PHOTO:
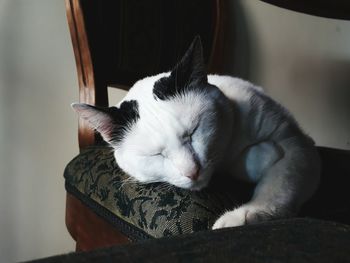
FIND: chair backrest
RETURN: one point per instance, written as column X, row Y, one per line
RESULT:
column 117, row 42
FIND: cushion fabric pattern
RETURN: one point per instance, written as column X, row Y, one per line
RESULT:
column 138, row 210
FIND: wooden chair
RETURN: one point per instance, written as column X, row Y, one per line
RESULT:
column 117, row 42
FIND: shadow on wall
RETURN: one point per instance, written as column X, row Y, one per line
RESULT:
column 237, row 47
column 333, row 84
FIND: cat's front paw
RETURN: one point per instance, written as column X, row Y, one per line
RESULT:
column 244, row 215
column 230, row 219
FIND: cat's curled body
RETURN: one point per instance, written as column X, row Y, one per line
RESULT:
column 181, row 126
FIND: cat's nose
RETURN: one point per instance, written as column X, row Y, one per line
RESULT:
column 194, row 175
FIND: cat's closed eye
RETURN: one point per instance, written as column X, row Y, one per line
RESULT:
column 156, row 154
column 187, row 136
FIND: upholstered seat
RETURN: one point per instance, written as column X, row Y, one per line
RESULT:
column 141, row 211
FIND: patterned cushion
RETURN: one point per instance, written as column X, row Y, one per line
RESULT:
column 142, row 210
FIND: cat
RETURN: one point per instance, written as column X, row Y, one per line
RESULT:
column 181, row 126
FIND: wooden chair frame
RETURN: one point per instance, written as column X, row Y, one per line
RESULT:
column 89, row 230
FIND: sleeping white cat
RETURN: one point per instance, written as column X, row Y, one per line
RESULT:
column 181, row 126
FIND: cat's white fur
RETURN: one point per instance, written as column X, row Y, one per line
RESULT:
column 159, row 133
column 279, row 158
column 230, row 127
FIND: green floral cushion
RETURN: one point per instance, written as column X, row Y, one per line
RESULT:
column 141, row 210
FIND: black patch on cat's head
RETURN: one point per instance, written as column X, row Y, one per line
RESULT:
column 126, row 115
column 112, row 123
column 188, row 74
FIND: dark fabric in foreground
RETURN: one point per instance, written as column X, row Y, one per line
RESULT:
column 293, row 240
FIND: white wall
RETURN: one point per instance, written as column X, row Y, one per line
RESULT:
column 38, row 83
column 302, row 61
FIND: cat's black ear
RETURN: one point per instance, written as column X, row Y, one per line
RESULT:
column 112, row 123
column 101, row 119
column 191, row 67
column 187, row 74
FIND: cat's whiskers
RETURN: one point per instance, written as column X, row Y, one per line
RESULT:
column 164, row 186
column 129, row 181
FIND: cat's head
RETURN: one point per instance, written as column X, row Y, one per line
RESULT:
column 173, row 127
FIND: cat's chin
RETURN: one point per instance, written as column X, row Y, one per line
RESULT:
column 195, row 186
